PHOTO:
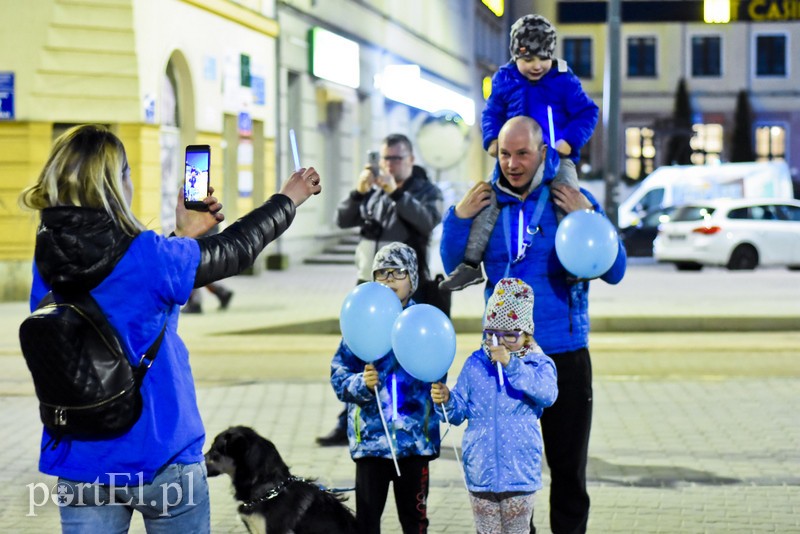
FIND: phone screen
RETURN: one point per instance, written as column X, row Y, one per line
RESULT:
column 196, row 176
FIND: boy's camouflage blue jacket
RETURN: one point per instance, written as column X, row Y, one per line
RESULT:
column 406, row 403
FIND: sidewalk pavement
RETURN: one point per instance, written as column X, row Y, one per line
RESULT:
column 693, row 431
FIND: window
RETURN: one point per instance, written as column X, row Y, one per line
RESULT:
column 771, row 55
column 491, row 40
column 640, row 152
column 788, row 213
column 706, row 143
column 706, row 53
column 770, row 143
column 652, row 199
column 578, row 54
column 641, row 57
column 692, row 213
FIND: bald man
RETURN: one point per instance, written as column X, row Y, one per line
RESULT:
column 522, row 245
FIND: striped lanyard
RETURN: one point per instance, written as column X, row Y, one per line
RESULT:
column 524, row 237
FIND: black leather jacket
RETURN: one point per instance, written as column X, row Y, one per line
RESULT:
column 236, row 248
column 76, row 248
column 408, row 215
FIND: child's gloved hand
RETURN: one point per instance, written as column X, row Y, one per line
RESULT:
column 563, row 148
column 499, row 353
column 492, row 150
column 370, row 376
column 439, row 393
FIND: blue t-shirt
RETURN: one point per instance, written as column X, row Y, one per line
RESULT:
column 147, row 287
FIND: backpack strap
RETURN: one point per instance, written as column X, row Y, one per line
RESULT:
column 86, row 301
column 148, row 357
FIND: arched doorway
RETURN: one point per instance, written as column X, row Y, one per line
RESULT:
column 177, row 130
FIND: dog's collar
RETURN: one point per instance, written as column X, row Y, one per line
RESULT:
column 274, row 492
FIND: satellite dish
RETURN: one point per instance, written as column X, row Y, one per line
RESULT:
column 443, row 140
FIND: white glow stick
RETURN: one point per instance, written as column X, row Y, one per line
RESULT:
column 499, row 365
column 550, row 125
column 295, row 154
column 394, row 399
column 447, row 420
column 386, row 428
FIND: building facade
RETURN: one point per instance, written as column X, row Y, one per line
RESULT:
column 235, row 75
column 665, row 42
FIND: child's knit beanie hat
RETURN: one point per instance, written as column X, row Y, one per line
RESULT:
column 532, row 35
column 398, row 256
column 510, row 307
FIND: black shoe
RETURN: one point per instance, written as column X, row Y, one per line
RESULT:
column 192, row 307
column 338, row 436
column 225, row 299
column 464, row 276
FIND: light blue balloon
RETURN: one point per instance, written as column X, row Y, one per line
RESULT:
column 586, row 243
column 424, row 342
column 366, row 320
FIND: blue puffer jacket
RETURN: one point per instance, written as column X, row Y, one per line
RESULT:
column 561, row 310
column 574, row 113
column 503, row 442
column 414, row 427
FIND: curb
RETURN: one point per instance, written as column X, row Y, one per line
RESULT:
column 330, row 326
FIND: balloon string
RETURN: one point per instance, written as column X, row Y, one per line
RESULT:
column 447, row 420
column 386, row 428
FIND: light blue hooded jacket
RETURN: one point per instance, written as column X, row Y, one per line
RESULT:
column 502, row 444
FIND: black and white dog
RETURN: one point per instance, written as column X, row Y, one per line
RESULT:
column 273, row 500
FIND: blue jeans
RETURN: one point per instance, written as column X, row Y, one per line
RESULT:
column 175, row 501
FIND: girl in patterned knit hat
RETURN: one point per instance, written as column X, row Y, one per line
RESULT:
column 503, row 442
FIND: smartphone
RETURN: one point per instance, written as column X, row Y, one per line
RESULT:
column 196, row 177
column 373, row 158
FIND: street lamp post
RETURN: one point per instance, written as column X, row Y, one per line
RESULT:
column 611, row 97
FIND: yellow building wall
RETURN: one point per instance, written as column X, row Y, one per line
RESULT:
column 143, row 148
column 23, row 151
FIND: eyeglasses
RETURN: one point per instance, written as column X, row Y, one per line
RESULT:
column 511, row 337
column 385, row 274
column 394, row 159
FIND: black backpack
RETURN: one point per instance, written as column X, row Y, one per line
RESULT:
column 86, row 386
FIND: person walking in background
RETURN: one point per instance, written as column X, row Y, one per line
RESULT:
column 522, row 245
column 502, row 443
column 89, row 240
column 528, row 85
column 408, row 409
column 399, row 204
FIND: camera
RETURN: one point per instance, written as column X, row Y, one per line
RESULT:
column 371, row 229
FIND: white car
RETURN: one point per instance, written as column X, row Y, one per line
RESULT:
column 735, row 233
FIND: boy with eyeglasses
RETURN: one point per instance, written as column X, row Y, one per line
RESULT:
column 398, row 204
column 503, row 442
column 408, row 410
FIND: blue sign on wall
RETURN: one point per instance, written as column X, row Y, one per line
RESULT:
column 245, row 124
column 7, row 96
column 259, row 92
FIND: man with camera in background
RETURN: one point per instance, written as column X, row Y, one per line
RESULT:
column 396, row 203
column 393, row 201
